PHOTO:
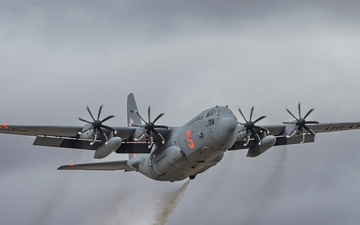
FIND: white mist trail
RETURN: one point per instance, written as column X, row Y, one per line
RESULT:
column 171, row 200
column 269, row 193
column 58, row 193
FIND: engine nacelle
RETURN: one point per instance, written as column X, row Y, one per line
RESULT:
column 266, row 143
column 168, row 160
column 88, row 134
column 106, row 149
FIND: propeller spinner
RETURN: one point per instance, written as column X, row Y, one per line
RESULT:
column 97, row 125
column 251, row 127
column 301, row 122
column 149, row 127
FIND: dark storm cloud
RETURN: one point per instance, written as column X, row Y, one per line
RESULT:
column 159, row 20
column 57, row 57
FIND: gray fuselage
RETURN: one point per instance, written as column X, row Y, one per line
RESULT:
column 192, row 148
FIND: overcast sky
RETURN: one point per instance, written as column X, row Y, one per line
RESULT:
column 182, row 57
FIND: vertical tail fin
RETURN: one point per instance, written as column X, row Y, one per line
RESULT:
column 132, row 118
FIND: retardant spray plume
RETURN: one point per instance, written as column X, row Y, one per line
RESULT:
column 112, row 211
column 58, row 193
column 171, row 200
column 214, row 185
column 269, row 193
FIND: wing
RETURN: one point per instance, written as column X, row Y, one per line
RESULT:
column 113, row 165
column 56, row 131
column 61, row 136
column 281, row 131
column 68, row 137
column 331, row 127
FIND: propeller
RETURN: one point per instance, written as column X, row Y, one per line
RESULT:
column 149, row 127
column 251, row 127
column 301, row 122
column 97, row 125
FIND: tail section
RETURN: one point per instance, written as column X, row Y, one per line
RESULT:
column 132, row 118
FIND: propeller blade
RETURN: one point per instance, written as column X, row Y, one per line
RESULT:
column 303, row 139
column 138, row 114
column 88, row 109
column 312, row 122
column 258, row 139
column 248, row 132
column 94, row 140
column 158, row 117
column 262, row 129
column 141, row 135
column 149, row 127
column 247, row 140
column 105, row 136
column 99, row 112
column 266, row 130
column 260, row 118
column 251, row 112
column 108, row 128
column 86, row 121
column 151, row 142
column 301, row 123
column 242, row 115
column 158, row 134
column 107, row 118
column 291, row 114
column 289, row 122
column 148, row 132
column 309, row 130
column 307, row 114
column 162, row 126
column 154, row 131
column 251, row 128
column 96, row 125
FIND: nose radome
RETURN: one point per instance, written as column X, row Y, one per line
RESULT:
column 228, row 123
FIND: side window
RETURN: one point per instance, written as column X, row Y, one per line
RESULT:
column 211, row 122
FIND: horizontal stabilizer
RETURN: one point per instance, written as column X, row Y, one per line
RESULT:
column 112, row 165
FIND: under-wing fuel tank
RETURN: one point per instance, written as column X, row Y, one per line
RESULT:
column 107, row 148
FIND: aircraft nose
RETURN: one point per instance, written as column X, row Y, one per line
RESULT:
column 228, row 124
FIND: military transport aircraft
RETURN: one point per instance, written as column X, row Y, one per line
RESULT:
column 168, row 153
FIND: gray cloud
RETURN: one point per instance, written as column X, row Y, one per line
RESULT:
column 58, row 57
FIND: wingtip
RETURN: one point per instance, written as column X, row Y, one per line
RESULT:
column 60, row 168
column 65, row 167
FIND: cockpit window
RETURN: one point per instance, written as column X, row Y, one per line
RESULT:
column 218, row 112
column 211, row 113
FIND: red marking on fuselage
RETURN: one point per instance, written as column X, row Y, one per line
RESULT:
column 191, row 144
column 4, row 126
column 134, row 155
column 71, row 165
